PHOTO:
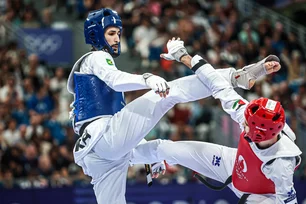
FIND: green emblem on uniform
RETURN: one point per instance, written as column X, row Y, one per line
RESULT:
column 110, row 62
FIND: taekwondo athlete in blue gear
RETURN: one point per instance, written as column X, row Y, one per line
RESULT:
column 93, row 97
column 108, row 128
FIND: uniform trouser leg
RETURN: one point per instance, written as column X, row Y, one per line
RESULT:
column 108, row 177
column 211, row 160
column 129, row 126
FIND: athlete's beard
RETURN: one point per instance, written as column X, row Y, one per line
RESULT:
column 115, row 53
column 115, row 48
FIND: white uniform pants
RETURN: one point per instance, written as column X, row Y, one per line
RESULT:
column 108, row 162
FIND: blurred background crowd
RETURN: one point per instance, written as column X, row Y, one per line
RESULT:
column 36, row 138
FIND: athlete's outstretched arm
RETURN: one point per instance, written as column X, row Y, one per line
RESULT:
column 102, row 65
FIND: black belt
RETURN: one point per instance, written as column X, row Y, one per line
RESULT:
column 81, row 131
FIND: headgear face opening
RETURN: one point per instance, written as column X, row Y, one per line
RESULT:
column 265, row 118
column 95, row 26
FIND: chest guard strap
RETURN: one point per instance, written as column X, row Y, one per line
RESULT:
column 93, row 98
column 211, row 186
column 243, row 198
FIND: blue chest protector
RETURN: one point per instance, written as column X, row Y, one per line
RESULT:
column 94, row 98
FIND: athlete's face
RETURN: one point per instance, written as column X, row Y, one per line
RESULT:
column 262, row 144
column 246, row 127
column 112, row 36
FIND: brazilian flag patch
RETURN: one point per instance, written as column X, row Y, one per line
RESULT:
column 238, row 104
column 110, row 62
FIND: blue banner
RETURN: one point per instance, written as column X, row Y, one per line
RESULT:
column 178, row 194
column 136, row 194
column 52, row 46
column 37, row 196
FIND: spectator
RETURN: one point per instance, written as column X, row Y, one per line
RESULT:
column 44, row 166
column 143, row 35
column 11, row 134
column 30, row 18
column 30, row 158
column 248, row 34
column 11, row 92
column 35, row 69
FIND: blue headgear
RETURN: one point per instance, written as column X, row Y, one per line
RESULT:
column 95, row 27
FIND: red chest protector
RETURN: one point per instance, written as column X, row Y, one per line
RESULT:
column 247, row 175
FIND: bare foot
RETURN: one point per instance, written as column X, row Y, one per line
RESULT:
column 271, row 67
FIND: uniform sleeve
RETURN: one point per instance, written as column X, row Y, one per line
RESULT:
column 281, row 173
column 103, row 66
column 231, row 101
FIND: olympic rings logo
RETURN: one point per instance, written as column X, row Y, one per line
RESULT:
column 43, row 43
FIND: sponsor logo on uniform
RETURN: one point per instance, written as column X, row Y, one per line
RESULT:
column 216, row 161
column 291, row 195
column 241, row 167
column 238, row 104
column 109, row 62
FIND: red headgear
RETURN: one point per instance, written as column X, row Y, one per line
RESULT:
column 265, row 118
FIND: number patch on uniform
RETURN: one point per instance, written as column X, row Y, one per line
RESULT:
column 81, row 142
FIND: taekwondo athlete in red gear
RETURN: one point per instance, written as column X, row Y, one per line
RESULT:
column 266, row 152
column 266, row 148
